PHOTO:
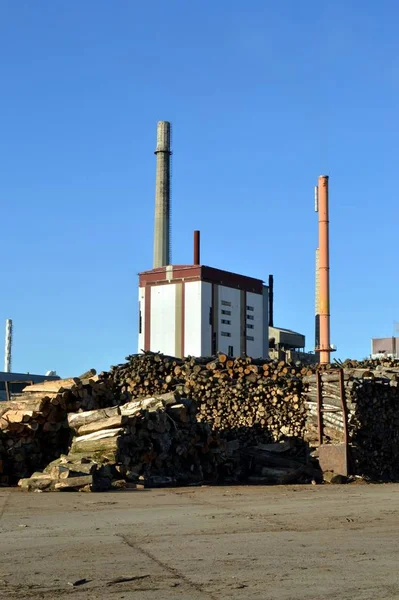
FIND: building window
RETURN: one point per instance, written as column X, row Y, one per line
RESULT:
column 226, row 322
column 226, row 312
column 225, row 333
column 250, row 326
column 225, row 303
column 231, row 351
column 250, row 308
column 250, row 317
column 250, row 338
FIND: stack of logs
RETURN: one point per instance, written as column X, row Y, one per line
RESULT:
column 34, row 428
column 95, row 427
column 255, row 401
column 156, row 441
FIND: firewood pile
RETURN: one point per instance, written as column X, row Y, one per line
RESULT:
column 152, row 442
column 34, row 428
column 254, row 401
column 158, row 420
column 372, row 397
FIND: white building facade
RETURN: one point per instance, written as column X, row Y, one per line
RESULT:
column 198, row 311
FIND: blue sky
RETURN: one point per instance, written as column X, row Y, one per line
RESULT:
column 263, row 96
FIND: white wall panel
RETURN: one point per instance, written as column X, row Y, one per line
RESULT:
column 163, row 319
column 206, row 327
column 192, row 318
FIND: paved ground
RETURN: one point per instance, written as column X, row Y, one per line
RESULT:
column 266, row 543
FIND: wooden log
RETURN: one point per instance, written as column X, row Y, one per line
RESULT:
column 53, row 386
column 108, row 423
column 74, row 483
column 102, row 445
column 76, row 420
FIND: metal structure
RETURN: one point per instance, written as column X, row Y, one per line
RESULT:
column 271, row 300
column 323, row 271
column 333, row 457
column 162, row 197
column 8, row 347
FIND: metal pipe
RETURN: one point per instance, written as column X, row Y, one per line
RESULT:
column 8, row 347
column 324, row 271
column 162, row 197
column 197, row 247
column 271, row 301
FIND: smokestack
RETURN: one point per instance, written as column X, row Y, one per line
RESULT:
column 271, row 293
column 162, row 197
column 324, row 271
column 8, row 345
column 197, row 247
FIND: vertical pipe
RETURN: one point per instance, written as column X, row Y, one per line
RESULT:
column 197, row 248
column 271, row 299
column 8, row 346
column 162, row 197
column 324, row 271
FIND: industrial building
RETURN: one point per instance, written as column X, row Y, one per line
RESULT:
column 285, row 344
column 195, row 310
column 385, row 347
column 13, row 383
column 198, row 310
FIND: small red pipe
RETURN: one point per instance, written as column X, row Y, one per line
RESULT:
column 197, row 248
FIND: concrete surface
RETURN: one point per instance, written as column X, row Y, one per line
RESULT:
column 277, row 543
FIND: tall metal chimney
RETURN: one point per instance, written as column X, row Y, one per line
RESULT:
column 8, row 346
column 162, row 197
column 323, row 271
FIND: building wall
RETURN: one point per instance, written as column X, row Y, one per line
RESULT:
column 200, row 318
column 193, row 318
column 255, row 325
column 389, row 346
column 197, row 318
column 206, row 320
column 163, row 319
column 228, row 321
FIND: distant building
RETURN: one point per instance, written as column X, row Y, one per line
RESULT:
column 388, row 347
column 194, row 310
column 16, row 382
column 285, row 344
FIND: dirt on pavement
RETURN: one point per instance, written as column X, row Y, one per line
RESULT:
column 205, row 543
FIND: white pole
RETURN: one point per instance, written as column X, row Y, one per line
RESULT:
column 7, row 353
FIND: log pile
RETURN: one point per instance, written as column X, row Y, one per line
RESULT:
column 254, row 401
column 34, row 428
column 156, row 441
column 158, row 419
